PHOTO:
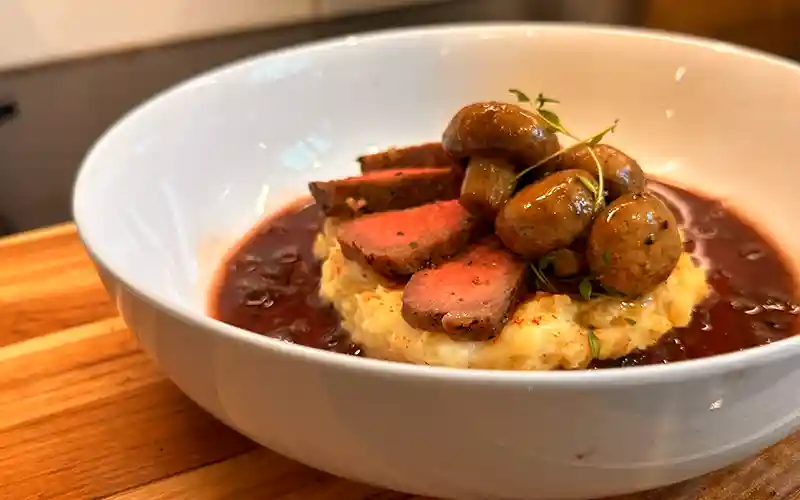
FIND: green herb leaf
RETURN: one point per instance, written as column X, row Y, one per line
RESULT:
column 545, row 260
column 552, row 120
column 541, row 100
column 606, row 258
column 595, row 139
column 553, row 123
column 594, row 343
column 520, row 95
column 413, row 244
column 570, row 147
column 585, row 288
column 630, row 321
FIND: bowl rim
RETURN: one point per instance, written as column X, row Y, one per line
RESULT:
column 579, row 379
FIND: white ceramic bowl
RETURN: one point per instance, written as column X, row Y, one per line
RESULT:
column 178, row 180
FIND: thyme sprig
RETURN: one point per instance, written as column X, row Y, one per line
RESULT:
column 594, row 343
column 553, row 122
column 585, row 289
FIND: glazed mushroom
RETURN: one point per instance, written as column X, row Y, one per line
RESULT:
column 621, row 173
column 548, row 215
column 499, row 130
column 498, row 139
column 634, row 244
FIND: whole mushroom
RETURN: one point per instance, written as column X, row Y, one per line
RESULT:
column 497, row 140
column 548, row 215
column 621, row 173
column 634, row 244
column 499, row 130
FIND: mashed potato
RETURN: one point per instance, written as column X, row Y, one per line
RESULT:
column 546, row 331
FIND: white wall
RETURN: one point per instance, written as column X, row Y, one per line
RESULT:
column 39, row 31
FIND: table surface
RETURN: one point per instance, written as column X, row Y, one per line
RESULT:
column 86, row 415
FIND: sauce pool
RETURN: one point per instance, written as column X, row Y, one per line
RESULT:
column 270, row 285
column 752, row 298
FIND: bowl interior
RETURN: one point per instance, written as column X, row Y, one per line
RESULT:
column 170, row 188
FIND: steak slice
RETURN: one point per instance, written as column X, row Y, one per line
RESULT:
column 431, row 154
column 398, row 244
column 384, row 190
column 469, row 297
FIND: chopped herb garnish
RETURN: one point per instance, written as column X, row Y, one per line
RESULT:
column 413, row 244
column 400, row 233
column 585, row 289
column 630, row 321
column 606, row 258
column 594, row 343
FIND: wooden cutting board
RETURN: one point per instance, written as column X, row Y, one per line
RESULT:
column 85, row 415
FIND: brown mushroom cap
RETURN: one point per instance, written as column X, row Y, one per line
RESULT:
column 499, row 130
column 634, row 244
column 547, row 215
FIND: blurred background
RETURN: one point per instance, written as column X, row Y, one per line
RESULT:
column 70, row 68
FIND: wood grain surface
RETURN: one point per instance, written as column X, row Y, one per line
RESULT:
column 85, row 415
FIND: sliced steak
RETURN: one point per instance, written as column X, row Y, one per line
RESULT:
column 384, row 190
column 469, row 297
column 398, row 244
column 424, row 155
